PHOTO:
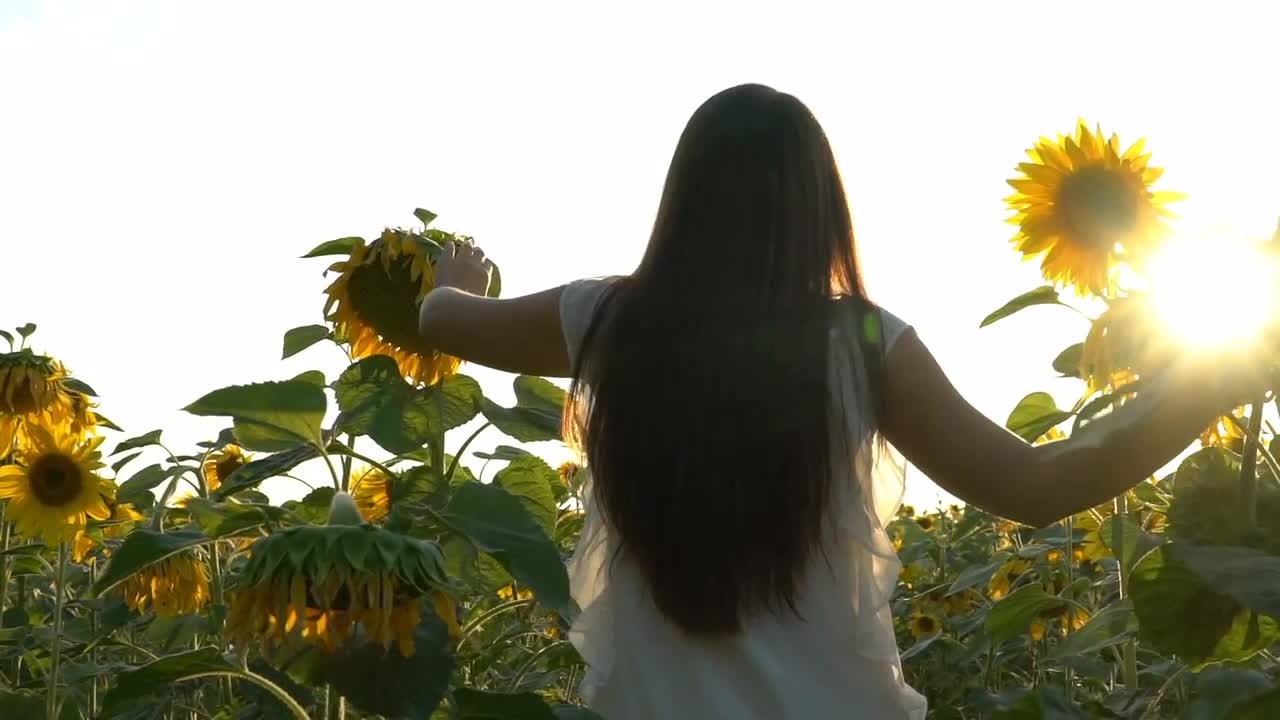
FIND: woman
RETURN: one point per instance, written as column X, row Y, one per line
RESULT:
column 731, row 396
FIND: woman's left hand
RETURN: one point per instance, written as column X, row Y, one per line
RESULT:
column 463, row 267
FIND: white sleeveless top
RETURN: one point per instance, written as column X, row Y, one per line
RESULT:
column 841, row 661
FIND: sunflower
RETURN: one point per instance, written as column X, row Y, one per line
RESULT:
column 924, row 624
column 508, row 592
column 925, row 522
column 123, row 516
column 1110, row 354
column 1226, row 433
column 373, row 304
column 218, row 466
column 371, row 489
column 177, row 585
column 37, row 389
column 53, row 488
column 1006, row 576
column 1092, row 547
column 333, row 584
column 1084, row 205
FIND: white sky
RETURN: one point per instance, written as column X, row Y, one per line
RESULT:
column 163, row 164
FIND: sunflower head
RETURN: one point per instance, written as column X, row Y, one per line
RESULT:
column 328, row 585
column 1083, row 205
column 1008, row 573
column 371, row 489
column 924, row 624
column 219, row 465
column 373, row 304
column 177, row 585
column 53, row 487
column 925, row 522
column 37, row 389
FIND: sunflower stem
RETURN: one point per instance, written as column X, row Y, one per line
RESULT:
column 1068, row 561
column 335, row 706
column 55, row 647
column 347, row 463
column 4, row 561
column 1129, row 656
column 93, row 654
column 1249, row 465
column 453, row 464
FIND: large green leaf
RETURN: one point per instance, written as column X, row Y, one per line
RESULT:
column 144, row 547
column 1265, row 706
column 20, row 705
column 252, row 473
column 1178, row 614
column 1068, row 361
column 151, row 438
column 1034, row 415
column 1039, row 704
column 374, row 679
column 1013, row 615
column 1127, row 540
column 471, row 704
column 158, row 676
column 1046, row 295
column 498, row 523
column 977, row 574
column 1107, row 627
column 1215, row 690
column 1250, row 576
column 376, row 401
column 536, row 415
column 293, row 407
column 426, row 216
column 341, row 246
column 532, row 480
column 144, row 480
column 301, row 338
column 479, row 571
column 222, row 519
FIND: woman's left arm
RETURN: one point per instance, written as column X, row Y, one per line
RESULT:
column 517, row 335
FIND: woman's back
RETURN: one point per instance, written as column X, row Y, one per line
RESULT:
column 834, row 657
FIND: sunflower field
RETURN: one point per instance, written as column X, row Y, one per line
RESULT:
column 143, row 581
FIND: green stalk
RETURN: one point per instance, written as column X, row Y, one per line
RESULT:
column 93, row 654
column 335, row 706
column 1130, row 646
column 1068, row 560
column 4, row 560
column 1249, row 465
column 55, row 648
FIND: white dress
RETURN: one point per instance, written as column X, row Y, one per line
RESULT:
column 840, row 662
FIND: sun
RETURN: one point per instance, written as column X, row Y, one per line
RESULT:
column 1213, row 292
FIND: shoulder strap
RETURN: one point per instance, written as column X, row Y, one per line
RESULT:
column 862, row 328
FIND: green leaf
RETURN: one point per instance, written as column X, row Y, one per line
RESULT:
column 252, row 435
column 1068, row 361
column 1178, row 614
column 471, row 704
column 1013, row 615
column 539, row 394
column 341, row 246
column 1215, row 690
column 1136, row 541
column 1265, row 706
column 426, row 216
column 119, row 464
column 293, row 407
column 1102, row 402
column 79, row 386
column 537, row 414
column 376, row 680
column 7, row 336
column 301, row 338
column 977, row 574
column 26, row 330
column 1046, row 295
column 532, row 480
column 151, row 438
column 314, row 508
column 499, row 524
column 495, row 280
column 575, row 712
column 144, row 480
column 419, row 484
column 141, row 548
column 1107, row 627
column 920, row 646
column 479, row 571
column 1039, row 704
column 104, row 421
column 252, row 473
column 1034, row 415
column 315, row 377
column 504, row 452
column 158, row 676
column 1250, row 576
column 222, row 519
column 20, row 705
column 376, row 401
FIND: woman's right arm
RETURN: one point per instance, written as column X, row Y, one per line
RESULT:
column 984, row 464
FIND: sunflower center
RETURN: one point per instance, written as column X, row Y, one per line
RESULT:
column 56, row 480
column 1099, row 205
column 387, row 301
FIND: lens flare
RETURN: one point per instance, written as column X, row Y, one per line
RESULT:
column 1213, row 292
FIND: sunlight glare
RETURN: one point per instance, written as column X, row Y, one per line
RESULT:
column 1212, row 292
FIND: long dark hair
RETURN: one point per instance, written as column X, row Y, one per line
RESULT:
column 701, row 393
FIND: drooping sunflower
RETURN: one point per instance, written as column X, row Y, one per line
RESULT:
column 219, row 465
column 333, row 584
column 53, row 488
column 1008, row 573
column 1085, row 205
column 374, row 302
column 1092, row 547
column 371, row 489
column 37, row 389
column 1111, row 354
column 1226, row 433
column 177, row 585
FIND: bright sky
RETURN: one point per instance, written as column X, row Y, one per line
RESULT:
column 163, row 164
